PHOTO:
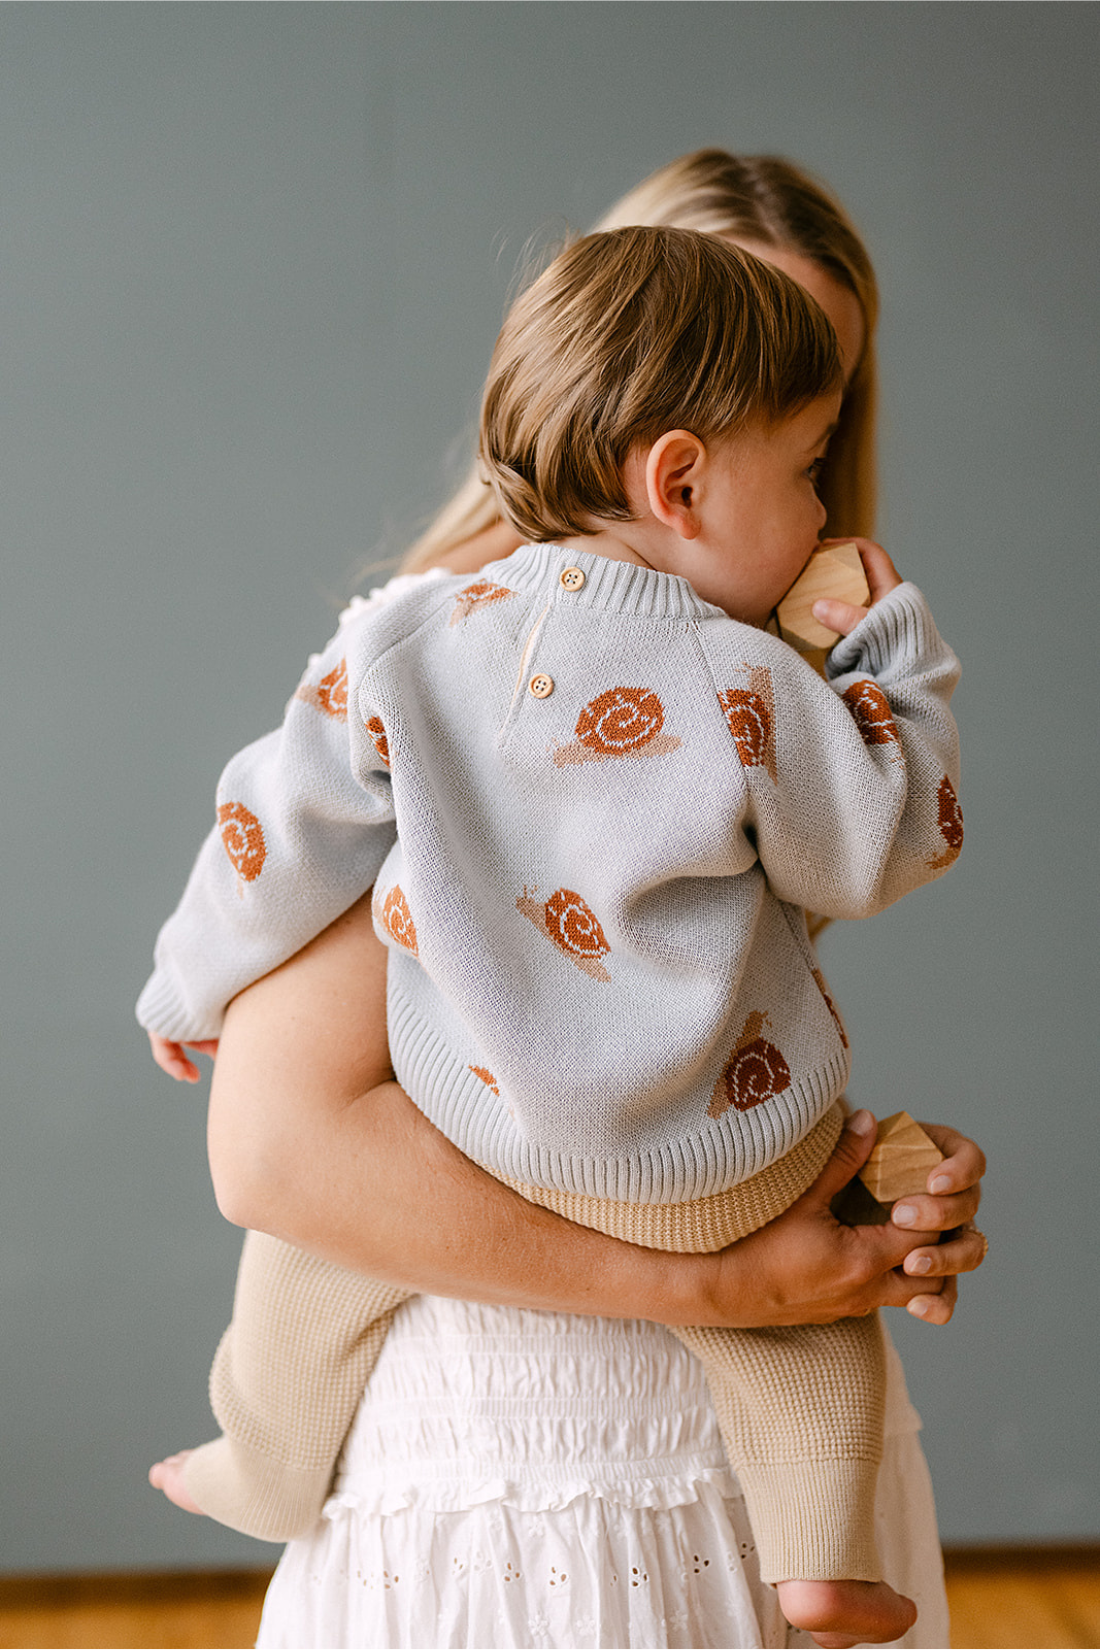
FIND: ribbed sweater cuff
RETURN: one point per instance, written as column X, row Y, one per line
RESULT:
column 254, row 1494
column 160, row 1009
column 813, row 1520
column 898, row 632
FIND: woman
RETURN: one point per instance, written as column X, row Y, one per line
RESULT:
column 521, row 1479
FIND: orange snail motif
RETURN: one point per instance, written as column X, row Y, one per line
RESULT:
column 951, row 825
column 487, row 1078
column 478, row 595
column 621, row 722
column 750, row 723
column 750, row 718
column 378, row 735
column 621, row 719
column 819, row 981
column 871, row 711
column 755, row 1072
column 243, row 839
column 330, row 694
column 573, row 925
column 397, row 919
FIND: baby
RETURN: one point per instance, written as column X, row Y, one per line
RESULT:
column 595, row 799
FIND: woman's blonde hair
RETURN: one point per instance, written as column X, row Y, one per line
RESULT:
column 772, row 203
column 630, row 333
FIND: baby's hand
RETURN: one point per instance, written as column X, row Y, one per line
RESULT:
column 882, row 577
column 173, row 1058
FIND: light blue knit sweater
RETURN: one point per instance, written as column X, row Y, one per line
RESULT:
column 594, row 809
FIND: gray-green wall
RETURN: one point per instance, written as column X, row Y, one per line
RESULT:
column 252, row 260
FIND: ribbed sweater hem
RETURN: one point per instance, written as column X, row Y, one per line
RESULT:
column 724, row 1153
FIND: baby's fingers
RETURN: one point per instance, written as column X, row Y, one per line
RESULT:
column 173, row 1057
column 839, row 616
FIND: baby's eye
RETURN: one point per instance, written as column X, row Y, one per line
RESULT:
column 815, row 470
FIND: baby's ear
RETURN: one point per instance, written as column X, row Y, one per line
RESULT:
column 674, row 469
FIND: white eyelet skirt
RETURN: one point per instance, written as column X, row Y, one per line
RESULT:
column 521, row 1479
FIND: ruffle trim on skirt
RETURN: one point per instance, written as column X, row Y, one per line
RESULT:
column 450, row 1491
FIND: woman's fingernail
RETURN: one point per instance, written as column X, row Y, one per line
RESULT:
column 861, row 1122
column 940, row 1185
column 905, row 1215
column 919, row 1267
column 919, row 1306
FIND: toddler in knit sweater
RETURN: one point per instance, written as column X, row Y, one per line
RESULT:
column 594, row 799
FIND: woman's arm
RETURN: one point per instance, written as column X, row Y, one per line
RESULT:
column 311, row 1140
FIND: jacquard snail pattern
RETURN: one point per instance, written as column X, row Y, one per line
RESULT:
column 750, row 717
column 378, row 737
column 243, row 839
column 622, row 722
column 819, row 981
column 397, row 919
column 481, row 594
column 330, row 694
column 487, row 1078
column 573, row 926
column 951, row 826
column 756, row 1071
column 870, row 709
column 749, row 722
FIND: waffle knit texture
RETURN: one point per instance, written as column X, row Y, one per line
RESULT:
column 800, row 1409
column 592, row 818
column 286, row 1382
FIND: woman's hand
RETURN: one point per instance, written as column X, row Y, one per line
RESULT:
column 882, row 577
column 806, row 1267
column 948, row 1207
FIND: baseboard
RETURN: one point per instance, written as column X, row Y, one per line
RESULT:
column 31, row 1592
column 1024, row 1556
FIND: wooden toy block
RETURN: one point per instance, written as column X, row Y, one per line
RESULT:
column 835, row 571
column 900, row 1162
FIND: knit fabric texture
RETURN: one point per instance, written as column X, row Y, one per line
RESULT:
column 800, row 1411
column 593, row 811
column 286, row 1382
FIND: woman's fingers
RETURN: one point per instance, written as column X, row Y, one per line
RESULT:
column 849, row 1155
column 964, row 1161
column 920, row 1213
column 935, row 1309
column 963, row 1251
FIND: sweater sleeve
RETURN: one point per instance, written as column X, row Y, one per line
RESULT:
column 304, row 820
column 852, row 796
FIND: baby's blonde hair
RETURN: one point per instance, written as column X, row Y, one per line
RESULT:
column 628, row 334
column 771, row 201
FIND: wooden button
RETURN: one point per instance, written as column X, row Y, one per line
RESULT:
column 541, row 686
column 573, row 578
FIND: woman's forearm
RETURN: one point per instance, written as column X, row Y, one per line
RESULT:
column 312, row 1141
column 377, row 1188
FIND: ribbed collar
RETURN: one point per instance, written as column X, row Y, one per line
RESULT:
column 618, row 586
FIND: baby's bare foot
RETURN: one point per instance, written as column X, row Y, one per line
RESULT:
column 839, row 1614
column 168, row 1476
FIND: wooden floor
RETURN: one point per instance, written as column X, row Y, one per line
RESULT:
column 1001, row 1599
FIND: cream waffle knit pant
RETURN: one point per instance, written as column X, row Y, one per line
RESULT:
column 800, row 1409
